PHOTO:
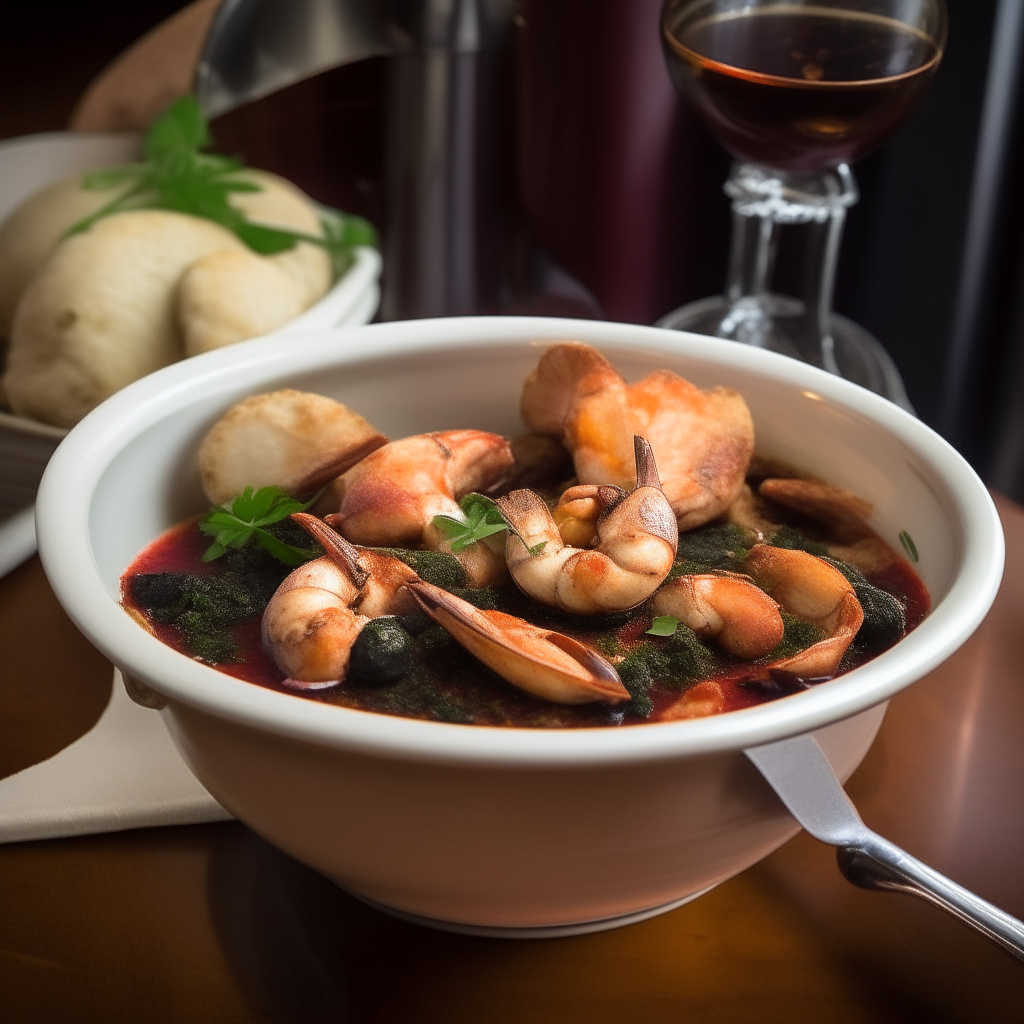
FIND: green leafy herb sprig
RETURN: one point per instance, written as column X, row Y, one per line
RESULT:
column 483, row 518
column 663, row 625
column 243, row 521
column 177, row 175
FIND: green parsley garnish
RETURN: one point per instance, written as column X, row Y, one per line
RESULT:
column 483, row 518
column 235, row 525
column 663, row 625
column 909, row 546
column 177, row 175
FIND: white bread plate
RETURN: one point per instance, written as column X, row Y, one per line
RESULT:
column 31, row 162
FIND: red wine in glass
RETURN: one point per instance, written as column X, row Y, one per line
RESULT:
column 799, row 89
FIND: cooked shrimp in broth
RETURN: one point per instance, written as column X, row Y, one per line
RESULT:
column 392, row 496
column 635, row 539
column 319, row 609
column 729, row 609
column 808, row 587
column 626, row 561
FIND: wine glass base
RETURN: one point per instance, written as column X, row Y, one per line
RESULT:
column 854, row 353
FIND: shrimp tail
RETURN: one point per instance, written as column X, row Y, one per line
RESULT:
column 337, row 549
column 646, row 468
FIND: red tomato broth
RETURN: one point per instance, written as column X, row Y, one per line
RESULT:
column 900, row 580
column 180, row 549
column 464, row 681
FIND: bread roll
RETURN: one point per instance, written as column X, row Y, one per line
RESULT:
column 36, row 227
column 232, row 295
column 32, row 232
column 101, row 312
column 281, row 204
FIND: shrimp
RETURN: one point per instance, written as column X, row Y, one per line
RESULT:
column 636, row 545
column 578, row 510
column 813, row 590
column 729, row 609
column 316, row 614
column 743, row 614
column 319, row 609
column 548, row 665
column 702, row 440
column 390, row 498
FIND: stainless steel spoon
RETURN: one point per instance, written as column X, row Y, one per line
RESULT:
column 255, row 47
column 449, row 125
column 801, row 775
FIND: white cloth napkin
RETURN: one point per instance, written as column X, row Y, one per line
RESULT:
column 17, row 539
column 124, row 773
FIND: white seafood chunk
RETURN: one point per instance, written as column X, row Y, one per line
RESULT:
column 295, row 440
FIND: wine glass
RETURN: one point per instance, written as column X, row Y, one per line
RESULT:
column 796, row 91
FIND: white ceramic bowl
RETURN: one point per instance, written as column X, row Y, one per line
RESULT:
column 502, row 828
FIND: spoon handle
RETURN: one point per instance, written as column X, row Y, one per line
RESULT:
column 874, row 863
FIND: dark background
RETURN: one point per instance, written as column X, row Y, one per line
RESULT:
column 903, row 257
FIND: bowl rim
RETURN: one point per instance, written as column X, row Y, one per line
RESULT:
column 67, row 489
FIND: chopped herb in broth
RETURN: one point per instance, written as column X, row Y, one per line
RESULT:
column 792, row 538
column 712, row 547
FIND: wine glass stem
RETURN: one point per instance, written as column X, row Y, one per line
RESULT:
column 752, row 256
column 764, row 201
column 820, row 259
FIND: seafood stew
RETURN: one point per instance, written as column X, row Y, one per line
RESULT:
column 459, row 577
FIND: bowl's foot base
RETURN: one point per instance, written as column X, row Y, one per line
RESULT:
column 548, row 931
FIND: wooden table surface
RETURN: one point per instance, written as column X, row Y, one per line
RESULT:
column 210, row 924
